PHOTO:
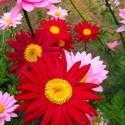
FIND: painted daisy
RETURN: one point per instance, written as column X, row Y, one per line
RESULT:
column 56, row 29
column 86, row 31
column 26, row 49
column 55, row 95
column 58, row 12
column 97, row 72
column 10, row 19
column 7, row 107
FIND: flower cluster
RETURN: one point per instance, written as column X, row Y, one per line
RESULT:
column 54, row 83
column 53, row 78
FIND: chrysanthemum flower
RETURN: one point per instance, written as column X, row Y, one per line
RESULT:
column 59, row 31
column 7, row 107
column 28, row 49
column 86, row 31
column 10, row 19
column 54, row 94
column 58, row 12
column 29, row 5
column 96, row 73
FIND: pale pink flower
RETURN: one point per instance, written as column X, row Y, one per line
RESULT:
column 4, row 1
column 112, row 45
column 29, row 5
column 7, row 107
column 116, row 2
column 122, row 15
column 58, row 12
column 96, row 73
column 10, row 19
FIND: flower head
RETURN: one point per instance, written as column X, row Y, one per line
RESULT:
column 86, row 31
column 29, row 5
column 59, row 31
column 52, row 92
column 7, row 107
column 96, row 74
column 28, row 49
column 10, row 20
column 112, row 45
column 58, row 12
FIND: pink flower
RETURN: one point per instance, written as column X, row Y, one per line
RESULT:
column 11, row 19
column 116, row 2
column 7, row 107
column 58, row 12
column 96, row 73
column 29, row 5
column 112, row 45
column 122, row 13
column 4, row 1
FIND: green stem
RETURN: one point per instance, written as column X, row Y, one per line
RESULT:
column 115, row 20
column 77, row 10
column 85, row 46
column 28, row 22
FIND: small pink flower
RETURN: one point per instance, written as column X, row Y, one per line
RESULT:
column 11, row 19
column 4, row 1
column 7, row 107
column 29, row 5
column 112, row 45
column 122, row 13
column 58, row 12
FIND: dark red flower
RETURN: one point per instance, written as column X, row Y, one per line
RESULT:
column 86, row 31
column 26, row 49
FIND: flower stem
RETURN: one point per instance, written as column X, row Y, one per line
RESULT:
column 77, row 10
column 28, row 22
column 115, row 20
column 85, row 46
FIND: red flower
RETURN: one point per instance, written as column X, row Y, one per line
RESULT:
column 86, row 31
column 54, row 94
column 57, row 30
column 26, row 49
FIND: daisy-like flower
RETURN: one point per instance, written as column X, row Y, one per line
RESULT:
column 29, row 5
column 7, row 107
column 112, row 45
column 58, row 12
column 10, row 19
column 86, row 31
column 27, row 49
column 96, row 73
column 57, row 30
column 54, row 94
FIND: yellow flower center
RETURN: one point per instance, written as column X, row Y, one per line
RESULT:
column 84, row 79
column 32, row 52
column 58, row 13
column 2, row 108
column 61, row 43
column 54, row 29
column 58, row 91
column 8, row 20
column 87, row 32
